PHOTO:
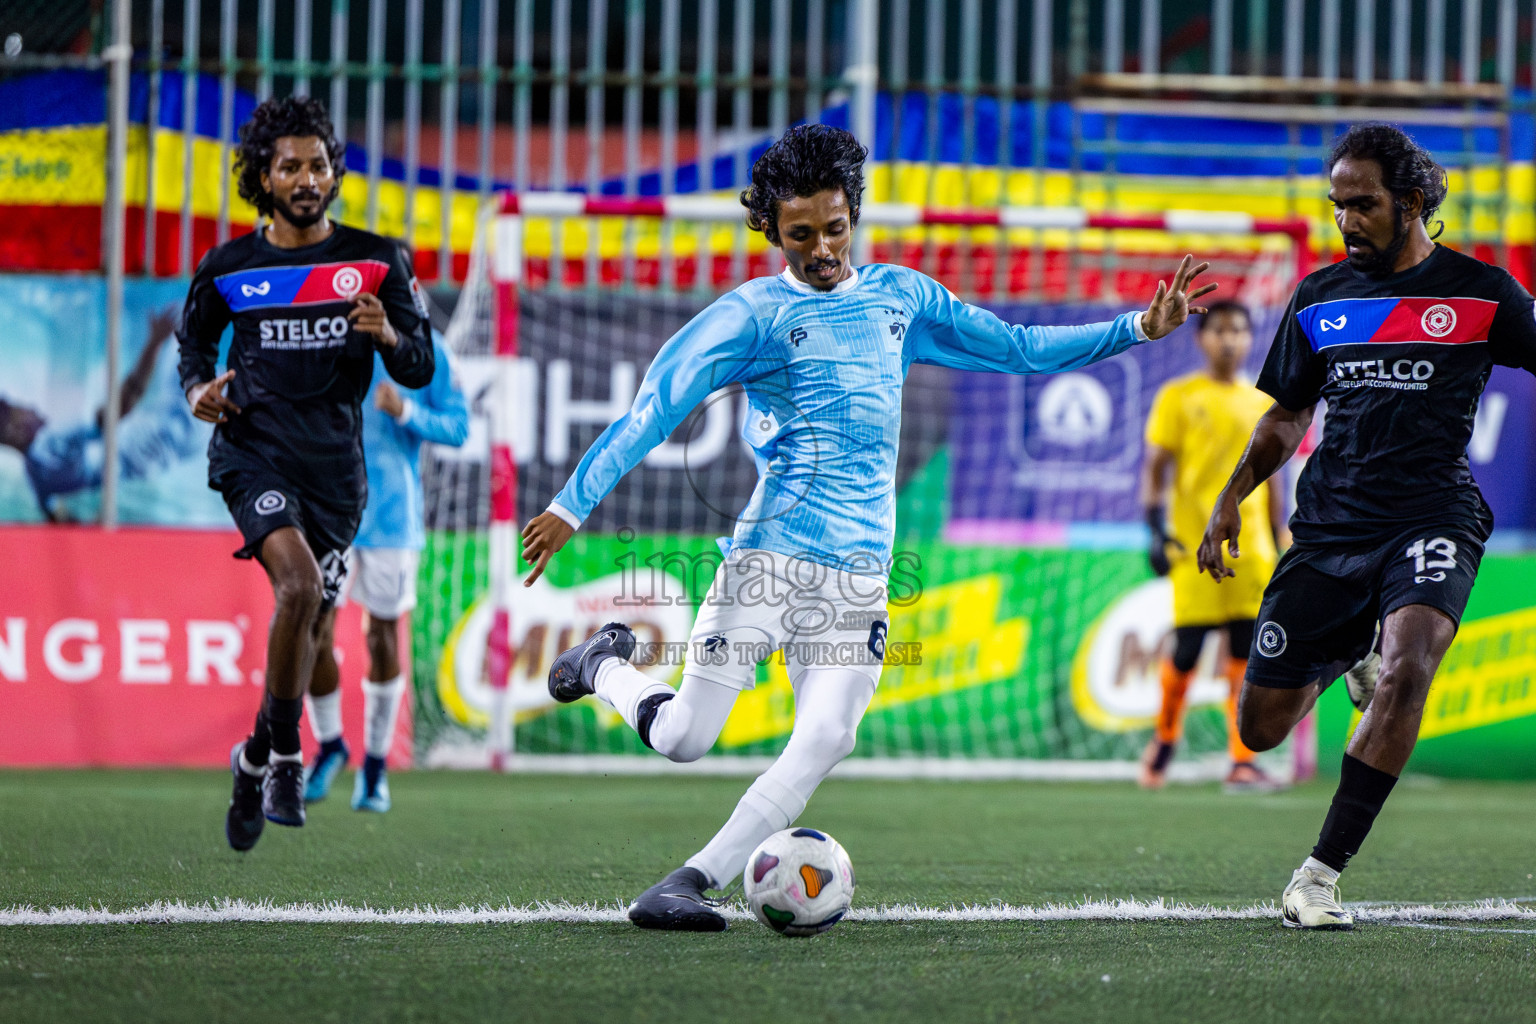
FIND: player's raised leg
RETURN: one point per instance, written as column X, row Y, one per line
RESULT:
column 1245, row 775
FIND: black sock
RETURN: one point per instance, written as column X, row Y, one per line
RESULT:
column 258, row 746
column 373, row 767
column 1362, row 790
column 283, row 724
column 646, row 714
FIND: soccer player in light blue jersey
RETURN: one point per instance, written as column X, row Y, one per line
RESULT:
column 381, row 573
column 822, row 351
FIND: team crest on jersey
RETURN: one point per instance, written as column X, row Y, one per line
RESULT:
column 1438, row 320
column 1272, row 639
column 419, row 298
column 347, row 282
column 270, row 502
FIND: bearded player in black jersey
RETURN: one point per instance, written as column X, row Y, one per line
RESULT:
column 310, row 301
column 1389, row 528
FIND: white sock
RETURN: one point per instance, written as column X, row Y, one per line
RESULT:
column 829, row 703
column 687, row 726
column 257, row 770
column 766, row 808
column 1313, row 864
column 325, row 716
column 296, row 758
column 381, row 706
column 623, row 687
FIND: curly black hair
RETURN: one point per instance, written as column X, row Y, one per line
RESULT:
column 1406, row 166
column 807, row 159
column 295, row 116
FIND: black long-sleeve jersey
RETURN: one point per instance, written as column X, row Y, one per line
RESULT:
column 301, row 370
column 1402, row 361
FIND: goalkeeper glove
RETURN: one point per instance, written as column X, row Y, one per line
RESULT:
column 1158, row 555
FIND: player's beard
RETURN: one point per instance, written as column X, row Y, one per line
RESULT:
column 303, row 220
column 1380, row 262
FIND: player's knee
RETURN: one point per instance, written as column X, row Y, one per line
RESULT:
column 679, row 735
column 832, row 740
column 689, row 747
column 1402, row 686
column 1257, row 730
column 381, row 637
column 298, row 594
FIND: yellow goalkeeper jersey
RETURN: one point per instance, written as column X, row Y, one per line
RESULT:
column 1206, row 425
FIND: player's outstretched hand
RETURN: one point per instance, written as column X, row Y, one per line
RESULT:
column 368, row 316
column 1226, row 522
column 1171, row 305
column 208, row 401
column 546, row 534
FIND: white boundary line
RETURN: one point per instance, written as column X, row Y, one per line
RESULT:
column 237, row 911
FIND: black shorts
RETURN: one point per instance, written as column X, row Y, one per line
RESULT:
column 1322, row 605
column 262, row 501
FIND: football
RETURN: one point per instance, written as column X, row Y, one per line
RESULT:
column 799, row 882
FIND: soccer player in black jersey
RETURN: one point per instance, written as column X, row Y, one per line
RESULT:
column 310, row 301
column 1389, row 528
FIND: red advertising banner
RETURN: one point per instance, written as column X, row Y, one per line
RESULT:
column 143, row 647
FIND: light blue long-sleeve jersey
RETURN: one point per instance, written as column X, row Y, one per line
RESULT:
column 392, row 450
column 823, row 373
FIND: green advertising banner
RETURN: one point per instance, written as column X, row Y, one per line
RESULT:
column 993, row 653
column 1480, row 721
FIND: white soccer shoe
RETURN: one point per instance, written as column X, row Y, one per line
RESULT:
column 1311, row 901
column 1360, row 678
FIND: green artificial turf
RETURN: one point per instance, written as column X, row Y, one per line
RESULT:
column 121, row 839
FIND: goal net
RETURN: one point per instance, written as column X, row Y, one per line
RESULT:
column 1032, row 624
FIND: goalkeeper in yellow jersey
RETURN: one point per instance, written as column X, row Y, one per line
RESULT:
column 1198, row 427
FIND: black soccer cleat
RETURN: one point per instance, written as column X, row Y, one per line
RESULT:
column 282, row 793
column 244, row 821
column 676, row 903
column 571, row 676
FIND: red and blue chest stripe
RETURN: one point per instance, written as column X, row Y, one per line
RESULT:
column 1397, row 321
column 313, row 284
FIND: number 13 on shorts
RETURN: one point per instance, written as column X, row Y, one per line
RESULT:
column 1436, row 553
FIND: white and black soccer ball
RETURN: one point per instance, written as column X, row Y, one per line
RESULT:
column 799, row 882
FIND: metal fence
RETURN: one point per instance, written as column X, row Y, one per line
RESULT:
column 626, row 96
column 668, row 96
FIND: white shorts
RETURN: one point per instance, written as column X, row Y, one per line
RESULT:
column 762, row 602
column 382, row 580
